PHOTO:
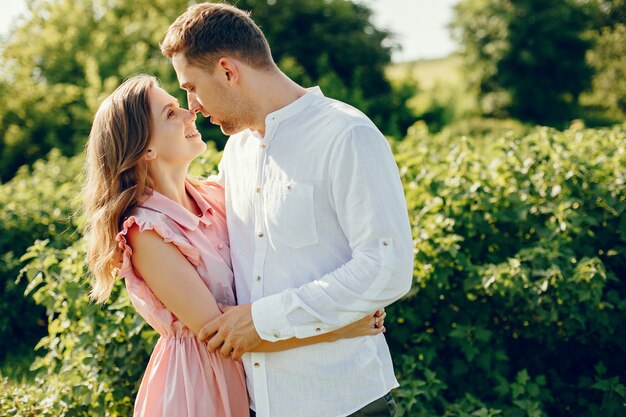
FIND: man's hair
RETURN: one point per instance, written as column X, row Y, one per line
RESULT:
column 208, row 31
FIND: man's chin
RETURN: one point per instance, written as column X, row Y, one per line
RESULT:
column 230, row 130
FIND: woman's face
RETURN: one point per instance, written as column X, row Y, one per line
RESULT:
column 174, row 138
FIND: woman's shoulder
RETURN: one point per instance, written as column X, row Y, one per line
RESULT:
column 207, row 186
column 146, row 218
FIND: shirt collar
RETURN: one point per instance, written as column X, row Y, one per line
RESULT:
column 158, row 202
column 294, row 107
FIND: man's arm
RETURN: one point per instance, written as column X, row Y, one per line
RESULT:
column 371, row 210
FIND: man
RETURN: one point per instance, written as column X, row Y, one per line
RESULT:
column 316, row 215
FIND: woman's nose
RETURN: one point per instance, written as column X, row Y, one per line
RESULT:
column 190, row 116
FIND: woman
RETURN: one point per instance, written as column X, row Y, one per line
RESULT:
column 166, row 234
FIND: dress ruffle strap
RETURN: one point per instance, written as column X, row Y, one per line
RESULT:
column 168, row 236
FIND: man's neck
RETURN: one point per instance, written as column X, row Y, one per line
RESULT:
column 272, row 91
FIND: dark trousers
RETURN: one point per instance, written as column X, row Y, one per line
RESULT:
column 385, row 406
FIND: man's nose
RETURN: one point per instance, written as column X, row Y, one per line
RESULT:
column 193, row 104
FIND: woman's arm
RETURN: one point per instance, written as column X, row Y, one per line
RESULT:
column 368, row 326
column 172, row 279
column 178, row 286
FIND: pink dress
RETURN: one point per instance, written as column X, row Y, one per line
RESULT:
column 183, row 379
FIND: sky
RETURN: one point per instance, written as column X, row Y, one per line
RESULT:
column 419, row 25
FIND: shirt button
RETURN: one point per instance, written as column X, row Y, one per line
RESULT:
column 257, row 365
column 258, row 189
column 318, row 330
column 386, row 243
column 258, row 278
column 260, row 234
column 263, row 146
column 220, row 246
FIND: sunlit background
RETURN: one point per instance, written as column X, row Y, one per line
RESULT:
column 507, row 122
column 420, row 25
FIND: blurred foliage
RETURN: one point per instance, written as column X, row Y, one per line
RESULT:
column 63, row 59
column 526, row 58
column 518, row 306
column 441, row 96
column 605, row 13
column 67, row 55
column 607, row 99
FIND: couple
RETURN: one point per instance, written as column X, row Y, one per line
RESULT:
column 280, row 260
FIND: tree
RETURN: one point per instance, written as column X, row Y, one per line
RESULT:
column 608, row 58
column 68, row 54
column 335, row 42
column 64, row 58
column 607, row 99
column 526, row 57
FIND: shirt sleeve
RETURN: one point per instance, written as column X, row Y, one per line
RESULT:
column 371, row 210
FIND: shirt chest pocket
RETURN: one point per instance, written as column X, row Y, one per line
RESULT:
column 291, row 213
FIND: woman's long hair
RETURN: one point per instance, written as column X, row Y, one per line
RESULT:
column 116, row 175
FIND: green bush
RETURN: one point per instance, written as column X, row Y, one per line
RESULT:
column 519, row 301
column 517, row 309
column 38, row 203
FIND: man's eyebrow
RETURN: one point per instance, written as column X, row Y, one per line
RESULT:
column 170, row 104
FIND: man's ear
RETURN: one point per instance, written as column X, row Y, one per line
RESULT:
column 150, row 155
column 230, row 70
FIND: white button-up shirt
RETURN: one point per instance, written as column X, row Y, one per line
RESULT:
column 319, row 238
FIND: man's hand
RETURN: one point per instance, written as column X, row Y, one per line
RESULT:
column 233, row 333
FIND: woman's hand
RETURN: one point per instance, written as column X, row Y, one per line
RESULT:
column 370, row 325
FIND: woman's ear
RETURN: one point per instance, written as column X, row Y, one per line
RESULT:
column 150, row 155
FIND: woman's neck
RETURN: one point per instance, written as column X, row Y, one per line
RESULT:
column 171, row 183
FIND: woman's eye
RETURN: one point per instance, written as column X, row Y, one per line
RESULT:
column 170, row 113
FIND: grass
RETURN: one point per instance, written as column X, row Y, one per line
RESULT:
column 429, row 73
column 442, row 95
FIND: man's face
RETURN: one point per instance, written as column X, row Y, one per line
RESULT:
column 211, row 94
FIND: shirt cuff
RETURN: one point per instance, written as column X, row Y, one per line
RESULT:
column 270, row 320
